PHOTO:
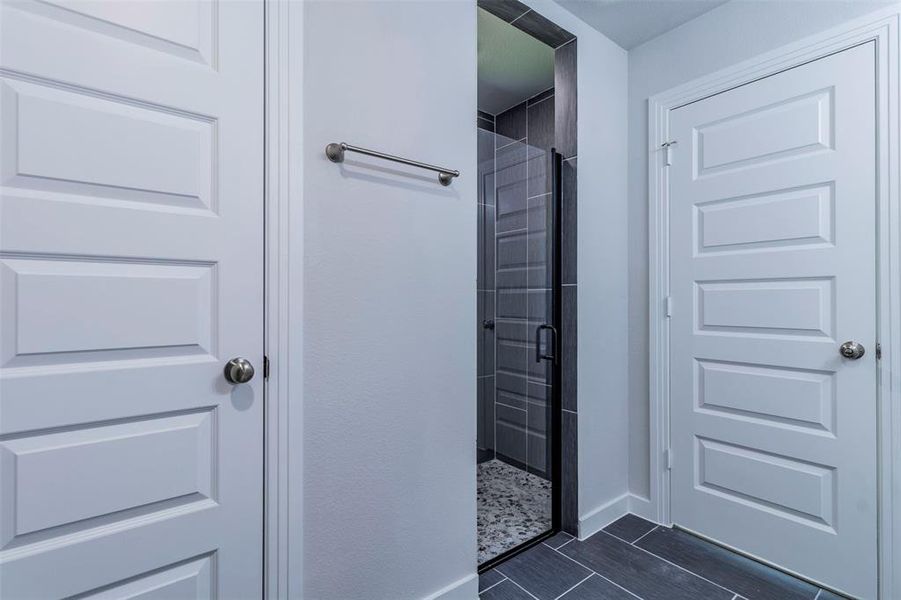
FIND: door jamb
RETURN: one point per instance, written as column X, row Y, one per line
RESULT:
column 882, row 27
column 283, row 304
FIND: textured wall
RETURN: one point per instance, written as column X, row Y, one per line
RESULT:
column 389, row 423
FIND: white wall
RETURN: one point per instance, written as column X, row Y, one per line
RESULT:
column 389, row 277
column 733, row 32
column 389, row 395
column 602, row 276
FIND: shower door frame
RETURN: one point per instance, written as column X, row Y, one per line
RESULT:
column 555, row 423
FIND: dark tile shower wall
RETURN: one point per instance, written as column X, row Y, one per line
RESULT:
column 525, row 19
column 525, row 135
column 565, row 85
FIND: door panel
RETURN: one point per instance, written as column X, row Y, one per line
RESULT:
column 772, row 225
column 130, row 272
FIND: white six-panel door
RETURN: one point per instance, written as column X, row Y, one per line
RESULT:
column 130, row 272
column 773, row 237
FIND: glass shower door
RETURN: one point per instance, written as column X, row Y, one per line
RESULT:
column 517, row 473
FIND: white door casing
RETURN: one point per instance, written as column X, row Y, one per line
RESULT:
column 131, row 257
column 773, row 266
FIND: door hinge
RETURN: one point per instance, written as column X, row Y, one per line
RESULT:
column 668, row 459
column 668, row 152
column 668, row 307
column 265, row 367
column 878, row 351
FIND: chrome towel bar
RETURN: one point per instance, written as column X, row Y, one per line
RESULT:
column 335, row 153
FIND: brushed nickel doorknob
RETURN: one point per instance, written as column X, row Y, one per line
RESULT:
column 852, row 350
column 238, row 370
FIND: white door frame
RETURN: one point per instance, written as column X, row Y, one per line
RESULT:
column 283, row 320
column 881, row 27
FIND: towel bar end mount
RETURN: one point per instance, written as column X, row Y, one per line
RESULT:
column 335, row 152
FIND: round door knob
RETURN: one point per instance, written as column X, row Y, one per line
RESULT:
column 852, row 350
column 238, row 370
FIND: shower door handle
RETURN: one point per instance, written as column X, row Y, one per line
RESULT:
column 538, row 355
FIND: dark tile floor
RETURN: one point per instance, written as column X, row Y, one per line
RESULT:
column 633, row 558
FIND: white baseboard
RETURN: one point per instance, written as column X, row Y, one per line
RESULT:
column 463, row 589
column 642, row 507
column 602, row 516
column 607, row 513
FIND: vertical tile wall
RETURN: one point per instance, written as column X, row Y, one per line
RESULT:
column 525, row 134
column 565, row 85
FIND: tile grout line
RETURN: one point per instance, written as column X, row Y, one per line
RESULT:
column 520, row 16
column 590, row 575
column 529, row 99
column 674, row 564
column 503, row 579
column 496, row 147
column 651, row 530
column 511, row 407
column 518, row 230
column 598, row 574
column 558, row 547
column 624, row 540
column 516, row 584
column 530, row 104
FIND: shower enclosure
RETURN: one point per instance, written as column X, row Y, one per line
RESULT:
column 527, row 315
column 518, row 316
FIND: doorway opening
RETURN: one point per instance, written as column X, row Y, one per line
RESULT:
column 521, row 345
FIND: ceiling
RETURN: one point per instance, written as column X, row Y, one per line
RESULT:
column 513, row 66
column 631, row 23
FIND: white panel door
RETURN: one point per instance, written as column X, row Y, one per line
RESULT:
column 130, row 272
column 773, row 237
